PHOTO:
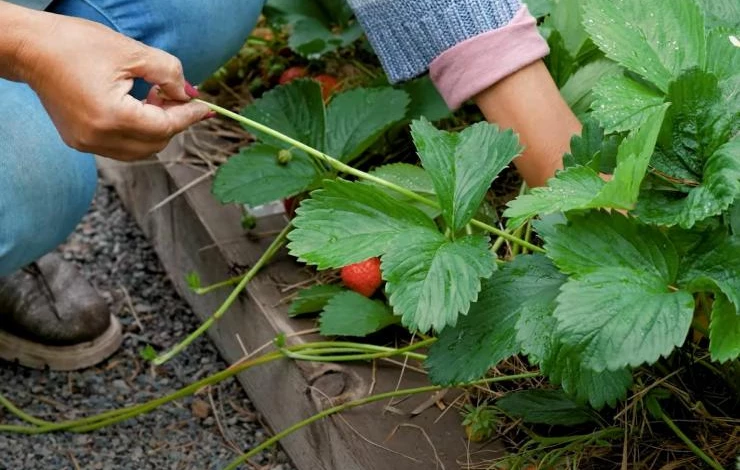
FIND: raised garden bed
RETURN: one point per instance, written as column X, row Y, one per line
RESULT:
column 195, row 233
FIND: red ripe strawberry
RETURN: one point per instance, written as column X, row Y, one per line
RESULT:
column 363, row 277
column 329, row 85
column 290, row 205
column 292, row 73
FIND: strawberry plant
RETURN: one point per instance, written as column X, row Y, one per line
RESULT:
column 622, row 271
column 346, row 127
column 612, row 291
column 316, row 27
column 615, row 291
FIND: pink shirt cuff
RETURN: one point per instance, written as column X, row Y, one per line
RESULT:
column 474, row 65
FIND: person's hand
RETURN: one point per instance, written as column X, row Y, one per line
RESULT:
column 83, row 72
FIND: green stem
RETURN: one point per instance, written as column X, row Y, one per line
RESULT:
column 114, row 416
column 527, row 236
column 22, row 414
column 354, row 404
column 208, row 289
column 348, row 345
column 517, row 233
column 274, row 247
column 657, row 410
column 318, row 354
column 343, row 167
column 604, row 433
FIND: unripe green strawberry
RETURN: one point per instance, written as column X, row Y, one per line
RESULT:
column 363, row 277
column 284, row 157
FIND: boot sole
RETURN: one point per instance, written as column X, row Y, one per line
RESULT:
column 61, row 358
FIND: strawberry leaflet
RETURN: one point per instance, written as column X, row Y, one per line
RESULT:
column 620, row 306
column 657, row 46
column 431, row 280
column 525, row 287
column 352, row 122
column 351, row 314
column 463, row 165
column 580, row 187
column 346, row 223
column 724, row 330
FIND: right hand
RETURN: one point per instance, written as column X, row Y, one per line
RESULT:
column 83, row 73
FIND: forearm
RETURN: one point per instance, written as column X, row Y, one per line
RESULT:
column 529, row 102
column 16, row 26
column 495, row 60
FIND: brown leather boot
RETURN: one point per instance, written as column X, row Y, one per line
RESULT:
column 50, row 316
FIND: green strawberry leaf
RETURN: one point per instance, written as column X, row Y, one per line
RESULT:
column 698, row 122
column 538, row 284
column 565, row 365
column 487, row 334
column 578, row 91
column 295, row 109
column 721, row 13
column 432, row 280
column 581, row 187
column 719, row 188
column 633, row 158
column 567, row 20
column 355, row 119
column 463, row 165
column 311, row 38
column 622, row 104
column 559, row 61
column 724, row 330
column 723, row 58
column 425, row 100
column 411, row 177
column 296, row 10
column 314, row 24
column 346, row 223
column 351, row 314
column 592, row 149
column 734, row 217
column 572, row 188
column 551, row 407
column 657, row 40
column 716, row 269
column 539, row 8
column 254, row 176
column 620, row 307
column 313, row 299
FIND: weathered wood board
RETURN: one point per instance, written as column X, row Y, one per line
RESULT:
column 194, row 232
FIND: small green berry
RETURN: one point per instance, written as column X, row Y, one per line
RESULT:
column 284, row 156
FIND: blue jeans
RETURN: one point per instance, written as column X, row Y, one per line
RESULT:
column 46, row 187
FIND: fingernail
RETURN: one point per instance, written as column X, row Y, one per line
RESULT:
column 210, row 115
column 190, row 90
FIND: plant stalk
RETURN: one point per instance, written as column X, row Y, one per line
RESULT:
column 115, row 416
column 354, row 404
column 658, row 412
column 343, row 167
column 274, row 247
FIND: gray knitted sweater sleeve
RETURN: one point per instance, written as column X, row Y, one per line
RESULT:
column 408, row 35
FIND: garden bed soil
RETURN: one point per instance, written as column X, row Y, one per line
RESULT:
column 195, row 233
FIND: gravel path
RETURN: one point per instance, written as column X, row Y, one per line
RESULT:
column 189, row 434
